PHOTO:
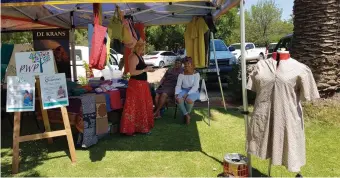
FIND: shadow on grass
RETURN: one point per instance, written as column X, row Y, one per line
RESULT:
column 32, row 153
column 169, row 134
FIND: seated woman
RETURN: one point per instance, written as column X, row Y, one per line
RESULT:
column 137, row 114
column 167, row 87
column 187, row 89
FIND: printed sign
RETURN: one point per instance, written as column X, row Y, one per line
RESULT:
column 53, row 90
column 11, row 68
column 57, row 41
column 34, row 63
column 20, row 93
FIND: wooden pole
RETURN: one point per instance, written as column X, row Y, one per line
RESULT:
column 16, row 136
column 43, row 112
column 68, row 134
column 47, row 134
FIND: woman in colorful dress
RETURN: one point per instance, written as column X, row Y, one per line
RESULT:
column 186, row 92
column 137, row 114
column 167, row 87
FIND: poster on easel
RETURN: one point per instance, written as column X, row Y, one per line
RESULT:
column 58, row 41
column 34, row 63
column 53, row 90
column 20, row 93
column 11, row 68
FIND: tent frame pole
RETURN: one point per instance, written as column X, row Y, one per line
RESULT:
column 168, row 15
column 218, row 70
column 147, row 10
column 194, row 6
column 244, row 78
column 24, row 13
column 73, row 54
column 61, row 13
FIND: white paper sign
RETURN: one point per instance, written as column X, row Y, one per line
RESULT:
column 20, row 93
column 34, row 63
column 53, row 90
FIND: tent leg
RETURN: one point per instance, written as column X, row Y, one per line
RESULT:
column 218, row 71
column 244, row 78
column 73, row 54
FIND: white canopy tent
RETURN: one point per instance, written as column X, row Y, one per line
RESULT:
column 22, row 15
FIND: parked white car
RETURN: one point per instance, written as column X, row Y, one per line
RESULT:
column 252, row 53
column 83, row 54
column 160, row 58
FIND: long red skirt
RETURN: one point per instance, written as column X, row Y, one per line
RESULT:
column 137, row 114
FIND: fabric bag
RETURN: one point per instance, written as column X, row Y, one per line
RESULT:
column 115, row 27
column 129, row 34
column 98, row 52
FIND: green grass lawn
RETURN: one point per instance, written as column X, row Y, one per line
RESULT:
column 174, row 149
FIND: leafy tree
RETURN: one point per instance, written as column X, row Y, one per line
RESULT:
column 17, row 38
column 162, row 37
column 81, row 37
column 226, row 27
column 261, row 21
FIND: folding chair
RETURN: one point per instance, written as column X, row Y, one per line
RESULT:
column 203, row 98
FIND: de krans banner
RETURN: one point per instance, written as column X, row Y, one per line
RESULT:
column 57, row 41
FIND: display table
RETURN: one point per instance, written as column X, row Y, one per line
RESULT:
column 84, row 112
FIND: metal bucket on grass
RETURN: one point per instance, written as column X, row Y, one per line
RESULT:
column 235, row 165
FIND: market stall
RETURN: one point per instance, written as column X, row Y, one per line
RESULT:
column 29, row 15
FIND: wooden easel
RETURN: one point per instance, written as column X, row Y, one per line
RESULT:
column 47, row 134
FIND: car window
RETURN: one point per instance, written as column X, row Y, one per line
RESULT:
column 236, row 46
column 79, row 57
column 249, row 46
column 172, row 54
column 154, row 53
column 165, row 54
column 219, row 46
column 272, row 46
column 284, row 43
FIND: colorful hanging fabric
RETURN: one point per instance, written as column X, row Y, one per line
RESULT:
column 202, row 28
column 129, row 34
column 108, row 45
column 115, row 27
column 98, row 48
column 194, row 41
column 140, row 29
column 189, row 35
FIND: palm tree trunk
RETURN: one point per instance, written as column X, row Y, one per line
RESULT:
column 316, row 41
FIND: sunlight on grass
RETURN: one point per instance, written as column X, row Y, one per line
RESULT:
column 174, row 149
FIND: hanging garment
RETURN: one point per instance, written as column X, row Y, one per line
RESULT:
column 276, row 128
column 98, row 47
column 140, row 29
column 189, row 35
column 89, row 36
column 207, row 47
column 108, row 46
column 129, row 34
column 115, row 27
column 202, row 28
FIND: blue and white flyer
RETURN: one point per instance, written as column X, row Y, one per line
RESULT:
column 53, row 90
column 20, row 93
